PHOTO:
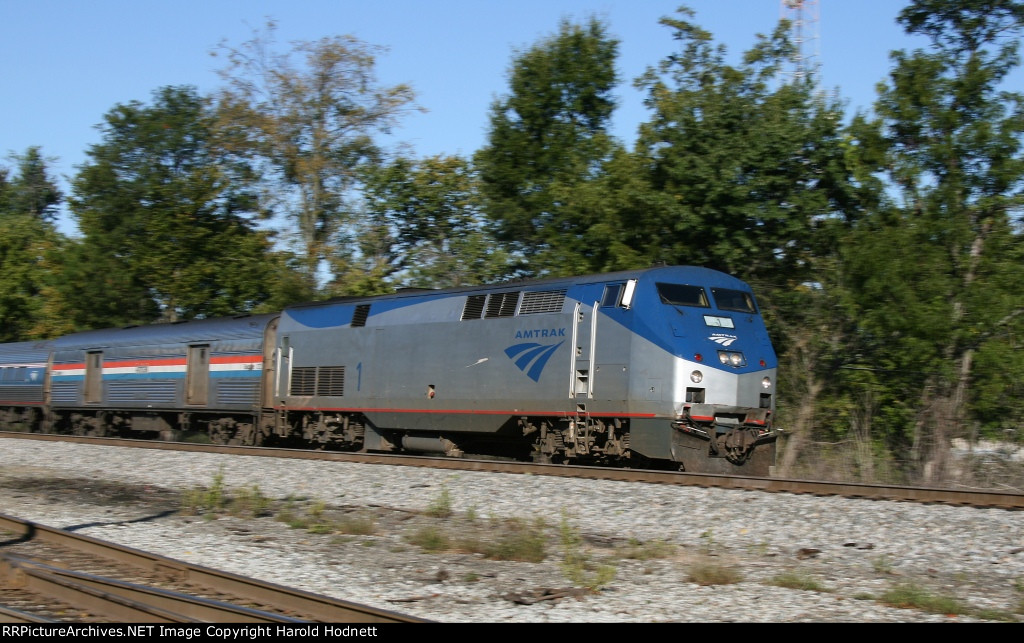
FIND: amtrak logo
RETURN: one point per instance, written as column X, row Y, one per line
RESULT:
column 724, row 340
column 533, row 356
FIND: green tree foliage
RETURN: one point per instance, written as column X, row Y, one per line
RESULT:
column 548, row 139
column 166, row 217
column 743, row 167
column 31, row 192
column 29, row 243
column 937, row 280
column 311, row 126
column 422, row 226
column 743, row 170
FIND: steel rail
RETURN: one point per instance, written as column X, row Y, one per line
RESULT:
column 92, row 591
column 128, row 602
column 935, row 495
column 8, row 615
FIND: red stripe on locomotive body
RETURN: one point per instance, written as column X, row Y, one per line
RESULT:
column 456, row 411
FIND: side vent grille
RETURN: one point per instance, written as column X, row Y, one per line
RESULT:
column 359, row 317
column 331, row 381
column 303, row 380
column 544, row 301
column 318, row 380
column 502, row 304
column 474, row 307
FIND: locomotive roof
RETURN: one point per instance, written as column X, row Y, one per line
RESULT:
column 199, row 330
column 696, row 273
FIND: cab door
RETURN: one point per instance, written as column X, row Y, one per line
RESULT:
column 584, row 344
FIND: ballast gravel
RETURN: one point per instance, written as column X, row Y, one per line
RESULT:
column 672, row 554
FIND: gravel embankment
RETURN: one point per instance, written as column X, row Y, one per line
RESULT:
column 845, row 553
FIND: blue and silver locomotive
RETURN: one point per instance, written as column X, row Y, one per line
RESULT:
column 665, row 367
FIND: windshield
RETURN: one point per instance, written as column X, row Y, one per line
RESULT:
column 680, row 295
column 737, row 300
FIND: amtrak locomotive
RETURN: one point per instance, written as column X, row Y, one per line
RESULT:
column 663, row 367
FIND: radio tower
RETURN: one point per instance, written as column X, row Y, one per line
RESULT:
column 803, row 19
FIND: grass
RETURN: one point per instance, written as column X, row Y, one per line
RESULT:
column 430, row 538
column 576, row 563
column 795, row 580
column 882, row 565
column 710, row 573
column 909, row 595
column 637, row 550
column 206, row 501
column 217, row 499
column 912, row 596
column 519, row 539
column 441, row 507
column 356, row 525
column 249, row 502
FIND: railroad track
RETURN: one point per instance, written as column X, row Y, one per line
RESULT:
column 49, row 575
column 936, row 495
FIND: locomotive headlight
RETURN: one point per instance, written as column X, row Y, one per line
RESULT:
column 766, row 382
column 731, row 358
column 696, row 377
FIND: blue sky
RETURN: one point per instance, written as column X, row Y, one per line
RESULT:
column 68, row 62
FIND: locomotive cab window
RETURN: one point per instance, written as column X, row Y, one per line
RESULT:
column 742, row 302
column 612, row 295
column 619, row 295
column 683, row 295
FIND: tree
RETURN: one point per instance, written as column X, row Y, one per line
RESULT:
column 28, row 248
column 742, row 171
column 422, row 226
column 547, row 140
column 746, row 167
column 939, row 279
column 167, row 218
column 311, row 127
column 32, row 192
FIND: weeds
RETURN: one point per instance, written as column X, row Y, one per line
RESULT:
column 882, row 565
column 576, row 564
column 206, row 501
column 913, row 596
column 441, row 507
column 517, row 540
column 909, row 595
column 249, row 502
column 312, row 519
column 706, row 573
column 637, row 550
column 794, row 580
column 356, row 525
column 430, row 538
column 707, row 542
